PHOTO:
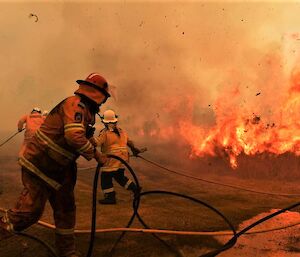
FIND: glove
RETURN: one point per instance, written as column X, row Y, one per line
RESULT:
column 90, row 131
column 135, row 151
column 93, row 141
column 100, row 158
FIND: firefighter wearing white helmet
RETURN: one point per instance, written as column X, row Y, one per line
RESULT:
column 36, row 109
column 109, row 116
column 114, row 140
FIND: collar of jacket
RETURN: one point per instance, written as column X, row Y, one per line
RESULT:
column 91, row 105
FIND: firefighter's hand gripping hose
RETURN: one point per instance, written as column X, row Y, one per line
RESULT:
column 11, row 137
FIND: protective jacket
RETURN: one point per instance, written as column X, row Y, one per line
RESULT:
column 60, row 140
column 32, row 122
column 112, row 143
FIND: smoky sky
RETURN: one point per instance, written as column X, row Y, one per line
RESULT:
column 159, row 55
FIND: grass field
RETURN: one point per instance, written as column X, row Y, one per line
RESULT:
column 164, row 212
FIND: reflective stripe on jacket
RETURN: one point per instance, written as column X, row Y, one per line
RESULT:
column 60, row 140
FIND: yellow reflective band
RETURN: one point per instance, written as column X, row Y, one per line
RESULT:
column 28, row 165
column 109, row 168
column 10, row 227
column 117, row 149
column 5, row 218
column 98, row 141
column 86, row 147
column 64, row 231
column 73, row 125
column 109, row 190
column 42, row 137
column 75, row 128
column 128, row 183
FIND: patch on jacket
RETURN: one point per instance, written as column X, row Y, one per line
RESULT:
column 78, row 117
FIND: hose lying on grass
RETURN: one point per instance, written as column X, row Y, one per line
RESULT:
column 184, row 174
column 136, row 204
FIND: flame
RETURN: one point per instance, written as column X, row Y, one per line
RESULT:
column 241, row 127
column 236, row 133
column 238, row 130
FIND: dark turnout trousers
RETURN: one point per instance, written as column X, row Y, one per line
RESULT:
column 31, row 203
column 107, row 180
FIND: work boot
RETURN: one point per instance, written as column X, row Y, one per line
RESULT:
column 4, row 233
column 135, row 190
column 65, row 245
column 109, row 198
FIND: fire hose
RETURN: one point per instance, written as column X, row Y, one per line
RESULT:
column 225, row 247
column 184, row 174
column 11, row 137
column 136, row 204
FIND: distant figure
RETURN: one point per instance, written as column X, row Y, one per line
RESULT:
column 114, row 140
column 32, row 123
column 45, row 114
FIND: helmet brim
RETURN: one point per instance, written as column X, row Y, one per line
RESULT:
column 110, row 121
column 103, row 91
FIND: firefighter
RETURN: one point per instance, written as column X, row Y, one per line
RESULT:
column 45, row 114
column 49, row 164
column 32, row 122
column 114, row 140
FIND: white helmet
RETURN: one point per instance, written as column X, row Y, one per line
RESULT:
column 36, row 109
column 45, row 112
column 109, row 116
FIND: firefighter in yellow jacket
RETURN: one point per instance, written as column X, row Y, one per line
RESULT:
column 49, row 164
column 114, row 140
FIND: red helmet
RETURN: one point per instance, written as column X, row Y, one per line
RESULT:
column 94, row 87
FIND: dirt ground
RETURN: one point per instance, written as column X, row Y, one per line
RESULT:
column 165, row 212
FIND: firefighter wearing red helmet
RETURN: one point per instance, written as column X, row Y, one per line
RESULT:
column 49, row 164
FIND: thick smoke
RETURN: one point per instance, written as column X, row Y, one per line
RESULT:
column 169, row 60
